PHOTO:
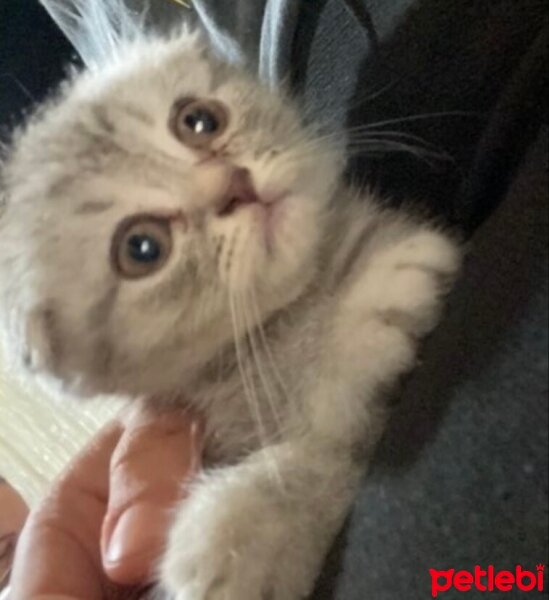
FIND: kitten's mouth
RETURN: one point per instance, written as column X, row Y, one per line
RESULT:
column 240, row 192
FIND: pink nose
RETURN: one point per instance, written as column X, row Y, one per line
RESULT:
column 240, row 191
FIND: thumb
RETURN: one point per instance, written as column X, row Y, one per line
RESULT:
column 154, row 458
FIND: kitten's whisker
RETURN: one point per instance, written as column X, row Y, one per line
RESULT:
column 369, row 133
column 267, row 447
column 263, row 337
column 418, row 117
column 320, row 142
column 341, row 136
column 370, row 145
column 382, row 134
column 385, row 146
column 249, row 388
column 381, row 152
column 362, row 100
column 390, row 134
column 256, row 354
column 379, row 141
column 248, row 385
column 270, row 394
column 393, row 143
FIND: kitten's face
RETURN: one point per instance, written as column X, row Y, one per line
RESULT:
column 149, row 210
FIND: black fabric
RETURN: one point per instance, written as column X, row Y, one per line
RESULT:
column 478, row 68
column 461, row 476
column 33, row 58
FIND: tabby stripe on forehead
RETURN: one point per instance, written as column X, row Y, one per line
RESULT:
column 103, row 119
column 105, row 116
column 91, row 207
column 136, row 113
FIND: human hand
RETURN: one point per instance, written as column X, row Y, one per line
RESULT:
column 13, row 513
column 106, row 518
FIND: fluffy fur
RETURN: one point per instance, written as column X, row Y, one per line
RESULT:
column 284, row 335
column 98, row 30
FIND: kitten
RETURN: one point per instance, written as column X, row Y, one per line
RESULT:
column 172, row 231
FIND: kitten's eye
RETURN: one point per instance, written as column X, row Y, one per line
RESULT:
column 197, row 123
column 140, row 246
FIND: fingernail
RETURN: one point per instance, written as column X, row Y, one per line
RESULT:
column 138, row 535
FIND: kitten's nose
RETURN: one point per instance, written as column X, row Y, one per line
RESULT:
column 240, row 191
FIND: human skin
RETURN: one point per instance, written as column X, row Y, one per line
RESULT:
column 13, row 513
column 101, row 529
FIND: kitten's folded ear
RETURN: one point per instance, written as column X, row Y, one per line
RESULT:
column 96, row 28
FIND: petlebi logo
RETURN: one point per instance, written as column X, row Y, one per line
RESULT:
column 487, row 579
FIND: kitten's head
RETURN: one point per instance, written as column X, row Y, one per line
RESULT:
column 145, row 209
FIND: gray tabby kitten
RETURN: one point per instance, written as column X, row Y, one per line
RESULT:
column 171, row 231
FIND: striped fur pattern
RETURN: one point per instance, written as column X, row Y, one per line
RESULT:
column 285, row 342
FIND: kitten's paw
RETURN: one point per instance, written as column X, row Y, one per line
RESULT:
column 412, row 278
column 431, row 252
column 230, row 546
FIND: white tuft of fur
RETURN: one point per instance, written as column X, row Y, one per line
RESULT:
column 96, row 29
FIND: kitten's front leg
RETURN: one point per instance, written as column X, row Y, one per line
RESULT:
column 260, row 530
